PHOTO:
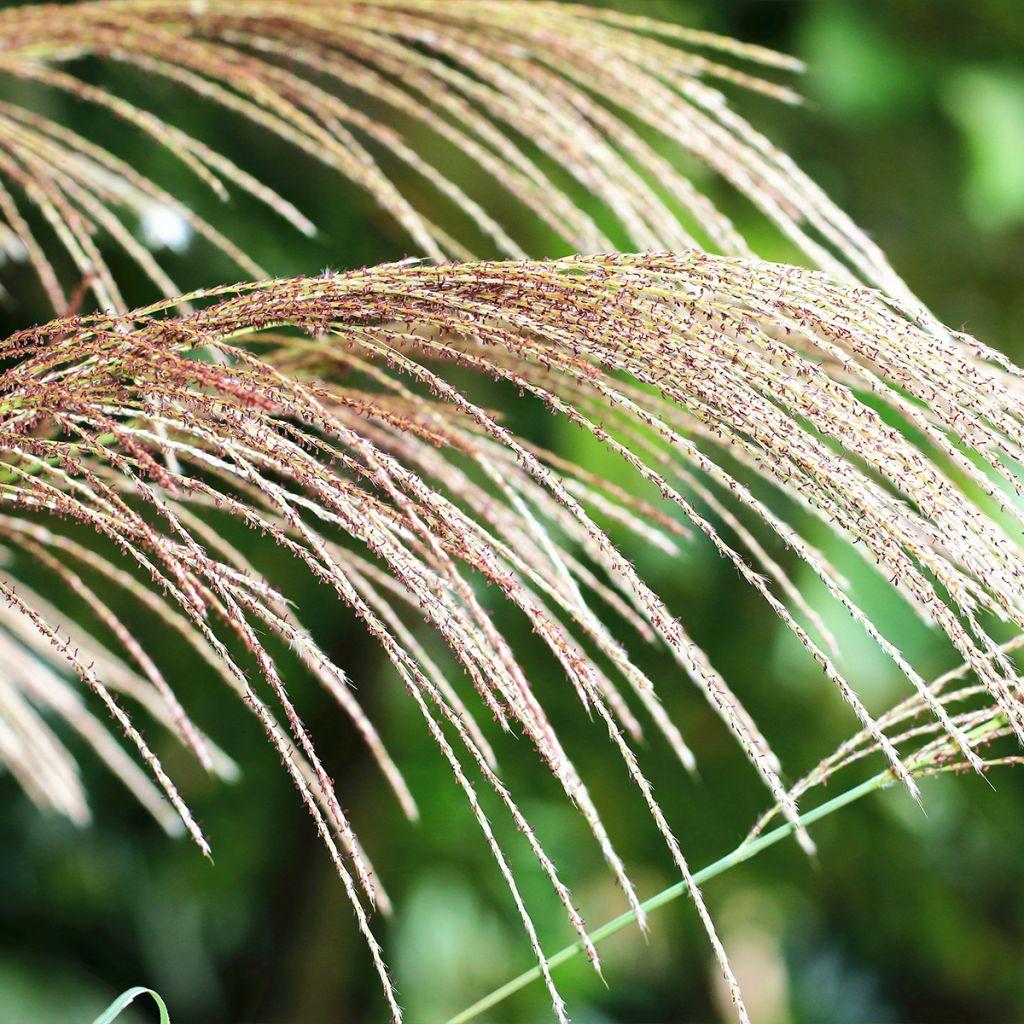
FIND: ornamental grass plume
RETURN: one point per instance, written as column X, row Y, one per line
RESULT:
column 555, row 102
column 335, row 416
column 396, row 491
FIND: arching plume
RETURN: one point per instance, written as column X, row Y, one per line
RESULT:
column 338, row 417
column 553, row 105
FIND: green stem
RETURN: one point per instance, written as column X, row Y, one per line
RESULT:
column 743, row 852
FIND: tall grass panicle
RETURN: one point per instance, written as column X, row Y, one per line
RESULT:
column 331, row 415
column 557, row 104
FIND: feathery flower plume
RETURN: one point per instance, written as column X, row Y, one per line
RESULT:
column 555, row 104
column 332, row 415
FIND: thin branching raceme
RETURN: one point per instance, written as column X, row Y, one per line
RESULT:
column 557, row 104
column 324, row 413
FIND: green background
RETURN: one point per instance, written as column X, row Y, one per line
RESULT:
column 915, row 126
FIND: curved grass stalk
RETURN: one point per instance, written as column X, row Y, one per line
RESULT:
column 627, row 919
column 125, row 999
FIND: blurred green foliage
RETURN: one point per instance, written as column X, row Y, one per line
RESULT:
column 915, row 125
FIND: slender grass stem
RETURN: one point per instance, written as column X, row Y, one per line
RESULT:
column 742, row 853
